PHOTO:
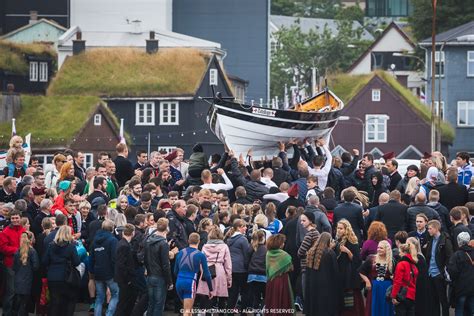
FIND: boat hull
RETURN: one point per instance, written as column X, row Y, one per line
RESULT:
column 243, row 127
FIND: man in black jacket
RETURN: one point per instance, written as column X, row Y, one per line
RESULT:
column 350, row 211
column 395, row 177
column 458, row 226
column 393, row 214
column 177, row 231
column 123, row 166
column 433, row 202
column 125, row 273
column 419, row 207
column 279, row 175
column 452, row 194
column 158, row 268
column 437, row 252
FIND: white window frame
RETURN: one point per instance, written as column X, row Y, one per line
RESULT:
column 464, row 106
column 43, row 71
column 376, row 95
column 143, row 120
column 370, row 120
column 88, row 160
column 168, row 105
column 442, row 109
column 43, row 160
column 213, row 77
column 168, row 149
column 470, row 60
column 33, row 71
column 438, row 60
column 98, row 119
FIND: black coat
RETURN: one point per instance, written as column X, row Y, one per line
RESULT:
column 461, row 271
column 452, row 194
column 394, row 180
column 124, row 170
column 58, row 259
column 349, row 277
column 455, row 231
column 257, row 260
column 177, row 231
column 422, row 292
column 280, row 176
column 394, row 215
column 24, row 273
column 353, row 213
column 417, row 209
column 291, row 201
column 321, row 292
column 124, row 264
column 443, row 215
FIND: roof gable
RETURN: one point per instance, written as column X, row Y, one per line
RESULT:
column 393, row 31
column 128, row 72
column 462, row 33
column 34, row 25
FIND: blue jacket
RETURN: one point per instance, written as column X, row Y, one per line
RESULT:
column 57, row 260
column 102, row 255
column 239, row 252
column 24, row 273
column 465, row 174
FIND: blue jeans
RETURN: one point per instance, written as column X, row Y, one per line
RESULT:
column 468, row 302
column 156, row 295
column 101, row 289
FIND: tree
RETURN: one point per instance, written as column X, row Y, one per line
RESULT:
column 449, row 14
column 327, row 9
column 283, row 7
column 299, row 52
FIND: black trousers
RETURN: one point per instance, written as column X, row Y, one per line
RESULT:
column 438, row 295
column 206, row 303
column 406, row 308
column 127, row 298
column 239, row 286
column 256, row 295
column 20, row 306
column 63, row 299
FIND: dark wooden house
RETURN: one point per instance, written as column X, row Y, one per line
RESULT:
column 391, row 118
column 156, row 94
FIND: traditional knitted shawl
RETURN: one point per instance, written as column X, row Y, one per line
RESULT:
column 278, row 262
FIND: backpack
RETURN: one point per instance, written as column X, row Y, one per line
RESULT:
column 141, row 247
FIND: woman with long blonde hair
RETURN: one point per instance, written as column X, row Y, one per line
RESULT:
column 411, row 190
column 321, row 292
column 348, row 260
column 25, row 263
column 377, row 272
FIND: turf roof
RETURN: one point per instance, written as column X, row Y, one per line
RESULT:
column 347, row 86
column 131, row 72
column 13, row 55
column 48, row 121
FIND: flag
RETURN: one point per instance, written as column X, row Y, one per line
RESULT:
column 422, row 97
column 286, row 102
column 122, row 138
column 27, row 148
column 13, row 127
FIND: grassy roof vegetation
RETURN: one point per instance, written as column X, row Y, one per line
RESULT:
column 13, row 55
column 131, row 72
column 347, row 86
column 55, row 118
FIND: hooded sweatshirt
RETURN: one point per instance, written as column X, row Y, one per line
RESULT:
column 465, row 174
column 102, row 258
column 239, row 252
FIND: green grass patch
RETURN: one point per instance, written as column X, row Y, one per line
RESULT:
column 13, row 55
column 55, row 118
column 347, row 86
column 131, row 72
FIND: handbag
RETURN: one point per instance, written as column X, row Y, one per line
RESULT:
column 212, row 269
column 402, row 293
column 73, row 276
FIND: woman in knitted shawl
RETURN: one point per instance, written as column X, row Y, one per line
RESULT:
column 278, row 292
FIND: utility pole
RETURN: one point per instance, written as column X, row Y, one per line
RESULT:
column 433, row 71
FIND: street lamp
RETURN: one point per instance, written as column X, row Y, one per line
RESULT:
column 347, row 118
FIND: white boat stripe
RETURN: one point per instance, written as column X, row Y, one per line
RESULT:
column 271, row 117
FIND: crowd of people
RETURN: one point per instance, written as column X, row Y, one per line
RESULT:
column 228, row 234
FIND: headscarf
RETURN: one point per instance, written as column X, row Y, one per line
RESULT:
column 432, row 174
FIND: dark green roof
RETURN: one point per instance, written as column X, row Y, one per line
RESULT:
column 346, row 87
column 131, row 72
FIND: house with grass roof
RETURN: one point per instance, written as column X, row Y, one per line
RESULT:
column 156, row 94
column 80, row 123
column 26, row 68
column 386, row 115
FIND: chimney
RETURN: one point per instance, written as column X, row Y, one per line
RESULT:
column 403, row 80
column 33, row 17
column 152, row 44
column 78, row 44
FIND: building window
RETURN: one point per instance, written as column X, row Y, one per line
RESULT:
column 168, row 149
column 43, row 72
column 169, row 113
column 466, row 113
column 145, row 113
column 33, row 71
column 44, row 160
column 97, row 119
column 274, row 45
column 376, row 95
column 439, row 64
column 375, row 128
column 470, row 63
column 442, row 109
column 213, row 77
column 88, row 160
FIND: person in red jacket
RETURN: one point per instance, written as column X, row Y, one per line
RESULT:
column 9, row 244
column 406, row 274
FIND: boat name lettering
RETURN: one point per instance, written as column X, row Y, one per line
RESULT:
column 263, row 112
